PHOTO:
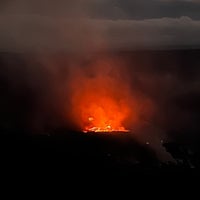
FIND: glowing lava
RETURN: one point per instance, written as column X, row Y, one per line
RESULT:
column 104, row 125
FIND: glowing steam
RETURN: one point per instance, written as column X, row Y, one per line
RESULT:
column 100, row 97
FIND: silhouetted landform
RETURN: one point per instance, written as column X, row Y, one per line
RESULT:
column 79, row 152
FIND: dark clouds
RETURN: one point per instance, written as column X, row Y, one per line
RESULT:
column 142, row 9
column 36, row 33
column 106, row 9
column 45, row 7
column 95, row 25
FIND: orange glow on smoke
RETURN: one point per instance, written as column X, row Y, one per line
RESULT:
column 100, row 98
column 104, row 114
